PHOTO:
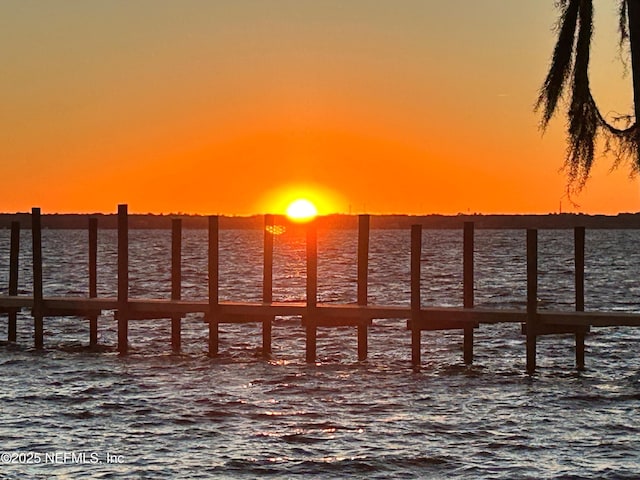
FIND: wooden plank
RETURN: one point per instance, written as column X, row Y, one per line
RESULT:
column 364, row 312
column 275, row 309
column 468, row 286
column 416, row 359
column 594, row 319
column 267, row 281
column 176, row 281
column 532, row 298
column 93, row 278
column 363, row 258
column 267, row 265
column 311, row 334
column 363, row 282
column 322, row 321
column 468, row 265
column 285, row 309
column 439, row 324
column 123, row 279
column 579, row 244
column 93, row 257
column 580, row 350
column 36, row 235
column 312, row 264
column 76, row 312
column 15, row 301
column 14, row 258
column 9, row 310
column 416, row 311
column 554, row 329
column 351, row 311
column 213, row 268
column 79, row 304
column 363, row 340
column 168, row 307
column 282, row 309
column 222, row 318
column 312, row 291
column 473, row 315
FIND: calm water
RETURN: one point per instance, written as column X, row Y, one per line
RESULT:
column 159, row 415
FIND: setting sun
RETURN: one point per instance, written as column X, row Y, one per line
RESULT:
column 301, row 210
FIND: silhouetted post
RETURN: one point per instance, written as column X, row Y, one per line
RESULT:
column 176, row 280
column 267, row 281
column 123, row 279
column 93, row 278
column 363, row 279
column 312, row 290
column 532, row 298
column 416, row 253
column 468, row 286
column 267, row 272
column 14, row 258
column 38, row 310
column 579, row 241
column 214, row 300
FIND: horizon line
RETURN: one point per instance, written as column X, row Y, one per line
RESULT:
column 251, row 215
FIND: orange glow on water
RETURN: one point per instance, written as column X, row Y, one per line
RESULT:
column 276, row 229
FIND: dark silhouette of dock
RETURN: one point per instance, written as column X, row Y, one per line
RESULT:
column 314, row 315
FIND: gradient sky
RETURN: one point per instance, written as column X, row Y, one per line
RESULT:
column 237, row 106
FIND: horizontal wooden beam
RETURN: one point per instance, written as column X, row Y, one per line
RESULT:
column 556, row 329
column 14, row 301
column 439, row 324
column 331, row 314
column 79, row 303
column 324, row 321
column 70, row 312
column 477, row 315
column 594, row 319
column 240, row 318
column 9, row 309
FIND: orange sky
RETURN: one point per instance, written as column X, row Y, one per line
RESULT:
column 238, row 106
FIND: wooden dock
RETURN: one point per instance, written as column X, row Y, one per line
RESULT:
column 313, row 314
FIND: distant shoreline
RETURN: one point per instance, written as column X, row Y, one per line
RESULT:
column 339, row 221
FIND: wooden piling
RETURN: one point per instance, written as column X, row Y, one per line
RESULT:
column 123, row 279
column 416, row 253
column 468, row 287
column 38, row 308
column 363, row 281
column 267, row 272
column 312, row 291
column 579, row 244
column 176, row 281
column 14, row 259
column 532, row 298
column 214, row 300
column 93, row 277
column 267, row 281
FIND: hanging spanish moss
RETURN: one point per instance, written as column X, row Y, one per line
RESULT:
column 569, row 76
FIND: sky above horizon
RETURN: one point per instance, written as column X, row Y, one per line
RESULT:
column 240, row 106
